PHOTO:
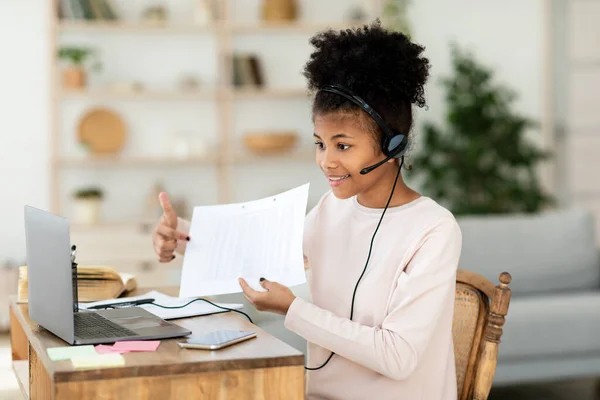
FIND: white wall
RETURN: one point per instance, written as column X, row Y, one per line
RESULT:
column 24, row 118
column 506, row 35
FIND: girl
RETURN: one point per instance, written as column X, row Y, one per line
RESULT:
column 380, row 322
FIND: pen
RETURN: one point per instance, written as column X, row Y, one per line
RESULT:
column 73, row 252
column 122, row 304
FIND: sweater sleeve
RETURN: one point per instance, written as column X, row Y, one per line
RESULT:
column 418, row 300
column 182, row 226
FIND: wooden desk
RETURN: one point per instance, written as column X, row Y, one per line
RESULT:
column 260, row 368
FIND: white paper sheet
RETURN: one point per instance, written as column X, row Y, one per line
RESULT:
column 260, row 238
column 197, row 308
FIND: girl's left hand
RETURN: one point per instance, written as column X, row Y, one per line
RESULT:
column 277, row 298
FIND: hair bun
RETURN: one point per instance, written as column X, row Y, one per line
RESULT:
column 378, row 65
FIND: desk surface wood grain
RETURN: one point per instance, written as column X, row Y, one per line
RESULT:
column 265, row 351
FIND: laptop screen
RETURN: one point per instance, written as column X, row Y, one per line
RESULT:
column 50, row 291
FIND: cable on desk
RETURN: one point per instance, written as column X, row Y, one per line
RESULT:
column 209, row 302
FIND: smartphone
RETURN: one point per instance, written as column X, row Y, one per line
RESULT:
column 216, row 340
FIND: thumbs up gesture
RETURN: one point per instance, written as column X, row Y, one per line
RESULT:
column 166, row 235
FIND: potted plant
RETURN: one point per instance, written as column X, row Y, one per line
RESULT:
column 88, row 202
column 480, row 160
column 74, row 75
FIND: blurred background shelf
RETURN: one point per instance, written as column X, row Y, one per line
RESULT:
column 297, row 26
column 119, row 162
column 76, row 26
column 185, row 106
column 109, row 94
column 237, row 93
column 268, row 93
column 222, row 28
column 175, row 88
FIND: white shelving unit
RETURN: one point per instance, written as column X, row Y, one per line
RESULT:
column 215, row 108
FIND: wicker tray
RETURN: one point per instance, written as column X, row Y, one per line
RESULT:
column 270, row 143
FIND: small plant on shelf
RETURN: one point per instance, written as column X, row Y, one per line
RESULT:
column 88, row 202
column 89, row 193
column 74, row 75
column 395, row 16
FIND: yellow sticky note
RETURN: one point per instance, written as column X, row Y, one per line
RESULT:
column 98, row 361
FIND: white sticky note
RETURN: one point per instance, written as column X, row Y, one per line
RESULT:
column 68, row 352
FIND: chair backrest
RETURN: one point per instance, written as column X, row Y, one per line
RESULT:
column 479, row 312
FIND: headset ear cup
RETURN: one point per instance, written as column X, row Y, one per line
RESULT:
column 396, row 146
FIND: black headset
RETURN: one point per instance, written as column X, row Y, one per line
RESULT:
column 393, row 144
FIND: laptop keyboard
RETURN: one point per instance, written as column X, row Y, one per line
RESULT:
column 93, row 326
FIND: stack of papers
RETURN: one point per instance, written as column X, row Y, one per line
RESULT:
column 260, row 238
column 196, row 308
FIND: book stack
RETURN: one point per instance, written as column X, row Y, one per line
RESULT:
column 247, row 71
column 86, row 9
column 94, row 283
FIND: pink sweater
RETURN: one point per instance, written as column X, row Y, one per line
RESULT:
column 398, row 344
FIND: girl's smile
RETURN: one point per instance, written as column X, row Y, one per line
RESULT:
column 335, row 181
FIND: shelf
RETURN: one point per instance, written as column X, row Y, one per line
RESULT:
column 132, row 27
column 236, row 93
column 249, row 27
column 115, row 161
column 218, row 39
column 240, row 156
column 108, row 94
column 303, row 155
column 295, row 26
column 276, row 93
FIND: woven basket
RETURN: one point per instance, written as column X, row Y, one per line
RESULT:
column 270, row 143
column 279, row 10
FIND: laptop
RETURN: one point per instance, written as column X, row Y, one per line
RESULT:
column 50, row 292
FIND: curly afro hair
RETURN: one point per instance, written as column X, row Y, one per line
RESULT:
column 384, row 68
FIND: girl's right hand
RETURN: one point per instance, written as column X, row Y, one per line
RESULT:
column 166, row 235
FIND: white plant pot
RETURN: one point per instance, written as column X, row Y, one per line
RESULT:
column 87, row 211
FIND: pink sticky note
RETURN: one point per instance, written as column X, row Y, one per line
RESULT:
column 104, row 349
column 138, row 345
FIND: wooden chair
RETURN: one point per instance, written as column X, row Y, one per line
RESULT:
column 479, row 312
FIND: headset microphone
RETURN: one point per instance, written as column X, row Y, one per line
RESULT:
column 372, row 167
